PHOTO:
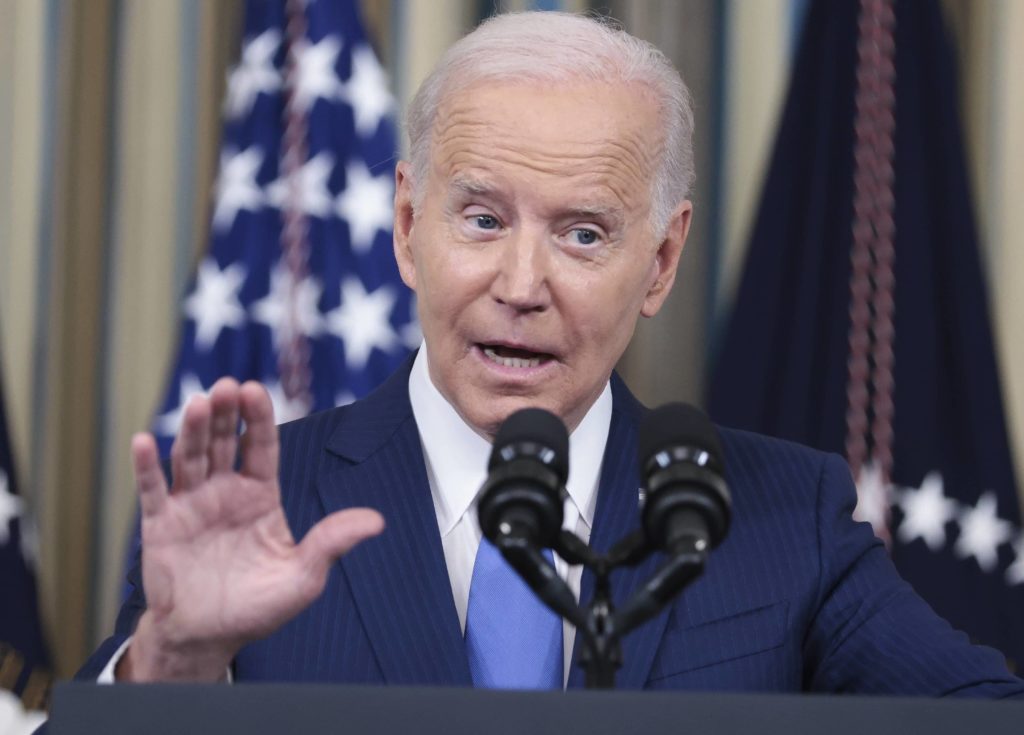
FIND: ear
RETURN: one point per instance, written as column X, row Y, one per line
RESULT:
column 405, row 219
column 667, row 259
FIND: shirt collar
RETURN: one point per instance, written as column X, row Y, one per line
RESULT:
column 456, row 456
column 586, row 452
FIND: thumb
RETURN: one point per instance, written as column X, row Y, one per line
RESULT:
column 333, row 536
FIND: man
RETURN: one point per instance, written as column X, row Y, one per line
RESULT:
column 543, row 211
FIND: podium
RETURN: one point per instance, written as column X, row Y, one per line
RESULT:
column 258, row 709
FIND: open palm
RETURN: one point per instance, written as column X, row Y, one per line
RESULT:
column 219, row 564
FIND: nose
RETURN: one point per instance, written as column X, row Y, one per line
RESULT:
column 522, row 278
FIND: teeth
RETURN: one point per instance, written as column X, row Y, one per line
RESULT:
column 513, row 362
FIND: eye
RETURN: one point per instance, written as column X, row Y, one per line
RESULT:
column 584, row 236
column 486, row 221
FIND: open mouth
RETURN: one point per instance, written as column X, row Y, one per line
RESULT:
column 514, row 357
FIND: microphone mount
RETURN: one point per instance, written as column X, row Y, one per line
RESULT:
column 601, row 626
column 685, row 513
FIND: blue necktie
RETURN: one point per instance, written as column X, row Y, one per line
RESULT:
column 514, row 641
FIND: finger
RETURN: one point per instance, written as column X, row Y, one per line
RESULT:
column 336, row 534
column 189, row 454
column 149, row 476
column 223, row 425
column 259, row 443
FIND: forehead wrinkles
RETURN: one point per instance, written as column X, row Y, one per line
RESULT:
column 619, row 154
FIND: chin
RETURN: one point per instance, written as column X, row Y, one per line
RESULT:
column 492, row 413
column 502, row 407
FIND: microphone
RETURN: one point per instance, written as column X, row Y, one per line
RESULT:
column 687, row 505
column 524, row 495
column 522, row 502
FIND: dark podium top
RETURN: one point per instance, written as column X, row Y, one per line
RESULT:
column 277, row 708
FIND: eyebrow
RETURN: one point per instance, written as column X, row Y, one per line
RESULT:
column 466, row 185
column 613, row 217
column 595, row 212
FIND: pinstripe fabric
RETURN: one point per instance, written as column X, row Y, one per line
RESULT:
column 797, row 598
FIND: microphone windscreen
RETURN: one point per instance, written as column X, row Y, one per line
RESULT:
column 677, row 425
column 534, row 427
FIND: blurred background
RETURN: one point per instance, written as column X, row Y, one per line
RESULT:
column 112, row 114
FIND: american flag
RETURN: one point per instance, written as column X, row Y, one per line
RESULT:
column 299, row 287
column 24, row 659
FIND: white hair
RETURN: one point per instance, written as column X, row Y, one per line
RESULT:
column 552, row 47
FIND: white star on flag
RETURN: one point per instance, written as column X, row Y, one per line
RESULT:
column 313, row 197
column 255, row 74
column 214, row 304
column 285, row 409
column 982, row 531
column 273, row 309
column 10, row 508
column 167, row 424
column 1015, row 572
column 362, row 321
column 926, row 510
column 872, row 499
column 367, row 91
column 314, row 74
column 236, row 186
column 366, row 204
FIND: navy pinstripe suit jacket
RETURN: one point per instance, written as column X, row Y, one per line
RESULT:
column 799, row 597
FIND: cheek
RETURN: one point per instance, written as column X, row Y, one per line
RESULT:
column 593, row 326
column 449, row 281
column 605, row 313
column 611, row 298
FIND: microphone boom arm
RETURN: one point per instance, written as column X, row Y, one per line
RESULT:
column 540, row 575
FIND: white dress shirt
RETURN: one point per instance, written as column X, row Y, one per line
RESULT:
column 456, row 459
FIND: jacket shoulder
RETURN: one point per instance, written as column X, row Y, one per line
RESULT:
column 748, row 454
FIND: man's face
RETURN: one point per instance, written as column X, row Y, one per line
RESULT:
column 531, row 254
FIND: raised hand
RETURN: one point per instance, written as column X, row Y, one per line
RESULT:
column 219, row 564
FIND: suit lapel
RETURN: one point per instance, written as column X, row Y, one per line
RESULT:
column 616, row 516
column 399, row 580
